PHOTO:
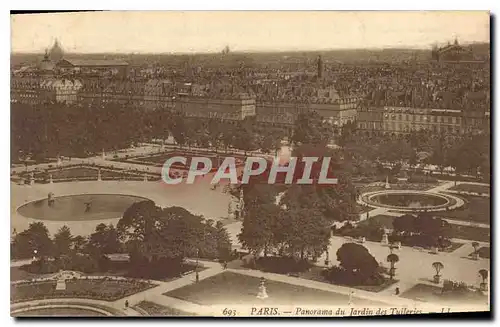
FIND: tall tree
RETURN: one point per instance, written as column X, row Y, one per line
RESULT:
column 34, row 241
column 62, row 241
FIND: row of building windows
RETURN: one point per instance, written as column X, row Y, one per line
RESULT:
column 429, row 118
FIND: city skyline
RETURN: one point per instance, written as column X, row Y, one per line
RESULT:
column 252, row 31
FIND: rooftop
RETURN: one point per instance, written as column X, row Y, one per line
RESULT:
column 92, row 63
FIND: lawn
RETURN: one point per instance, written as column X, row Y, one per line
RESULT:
column 17, row 273
column 108, row 290
column 457, row 231
column 475, row 209
column 453, row 247
column 315, row 274
column 429, row 293
column 484, row 252
column 384, row 221
column 472, row 188
column 470, row 233
column 159, row 159
column 157, row 310
column 230, row 288
column 60, row 312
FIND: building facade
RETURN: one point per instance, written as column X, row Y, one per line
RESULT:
column 403, row 120
column 229, row 107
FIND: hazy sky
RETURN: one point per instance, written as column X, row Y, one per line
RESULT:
column 157, row 31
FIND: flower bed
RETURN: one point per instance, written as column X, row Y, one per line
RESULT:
column 154, row 309
column 83, row 172
column 100, row 289
column 473, row 188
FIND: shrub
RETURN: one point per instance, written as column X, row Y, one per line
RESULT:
column 450, row 286
column 283, row 265
column 338, row 275
column 422, row 179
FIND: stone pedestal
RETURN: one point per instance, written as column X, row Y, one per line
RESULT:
column 262, row 290
column 387, row 186
column 61, row 285
column 99, row 175
column 385, row 239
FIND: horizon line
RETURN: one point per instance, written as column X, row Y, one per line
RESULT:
column 421, row 48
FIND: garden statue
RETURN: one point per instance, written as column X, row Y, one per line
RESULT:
column 99, row 174
column 145, row 177
column 50, row 199
column 32, row 178
column 385, row 238
column 262, row 289
column 88, row 206
column 103, row 155
column 387, row 186
column 351, row 295
column 50, row 179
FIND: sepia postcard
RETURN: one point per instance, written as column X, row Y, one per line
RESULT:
column 250, row 164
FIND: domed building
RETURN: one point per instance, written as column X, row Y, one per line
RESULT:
column 46, row 66
column 56, row 54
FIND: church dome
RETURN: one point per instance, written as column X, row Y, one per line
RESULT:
column 56, row 53
column 46, row 64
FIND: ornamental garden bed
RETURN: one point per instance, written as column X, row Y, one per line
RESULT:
column 474, row 188
column 100, row 289
column 316, row 274
column 35, row 312
column 155, row 309
column 229, row 288
column 430, row 293
column 86, row 173
column 475, row 209
column 484, row 252
column 158, row 159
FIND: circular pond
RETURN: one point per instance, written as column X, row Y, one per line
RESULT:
column 81, row 207
column 409, row 200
